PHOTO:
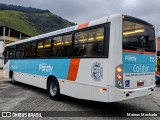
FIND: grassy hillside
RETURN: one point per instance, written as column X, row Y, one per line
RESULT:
column 16, row 20
column 32, row 23
column 47, row 22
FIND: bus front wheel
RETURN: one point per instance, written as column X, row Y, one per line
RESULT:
column 53, row 89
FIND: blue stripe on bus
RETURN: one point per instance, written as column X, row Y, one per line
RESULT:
column 42, row 67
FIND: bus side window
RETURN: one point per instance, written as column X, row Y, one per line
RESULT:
column 67, row 40
column 47, row 47
column 62, row 46
column 12, row 52
column 6, row 55
column 20, row 51
column 89, row 43
column 57, row 46
column 44, row 47
column 30, row 51
column 40, row 51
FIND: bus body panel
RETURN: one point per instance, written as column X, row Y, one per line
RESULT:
column 83, row 91
column 86, row 76
column 115, row 46
column 86, row 85
column 30, row 79
column 96, row 22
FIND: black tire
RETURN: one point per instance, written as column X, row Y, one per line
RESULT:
column 13, row 80
column 53, row 89
column 11, row 76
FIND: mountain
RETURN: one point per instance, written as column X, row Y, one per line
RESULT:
column 22, row 9
column 31, row 21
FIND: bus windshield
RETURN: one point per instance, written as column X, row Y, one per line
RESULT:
column 138, row 37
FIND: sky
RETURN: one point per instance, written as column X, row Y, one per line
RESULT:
column 86, row 10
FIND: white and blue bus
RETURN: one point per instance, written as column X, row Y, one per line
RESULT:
column 110, row 59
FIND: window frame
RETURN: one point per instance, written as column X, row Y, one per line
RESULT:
column 23, row 51
column 14, row 53
column 63, row 34
column 105, row 42
column 25, row 57
column 43, row 39
column 137, row 21
column 6, row 53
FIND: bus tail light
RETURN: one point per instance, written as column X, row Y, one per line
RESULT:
column 119, row 76
column 119, row 69
column 101, row 90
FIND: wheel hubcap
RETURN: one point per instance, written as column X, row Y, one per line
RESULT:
column 53, row 89
column 12, row 79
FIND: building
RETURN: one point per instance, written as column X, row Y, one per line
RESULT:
column 8, row 35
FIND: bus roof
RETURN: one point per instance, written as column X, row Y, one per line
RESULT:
column 68, row 29
column 65, row 30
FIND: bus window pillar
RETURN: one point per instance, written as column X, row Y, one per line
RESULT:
column 4, row 31
column 20, row 36
column 9, row 32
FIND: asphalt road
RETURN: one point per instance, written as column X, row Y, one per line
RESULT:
column 23, row 97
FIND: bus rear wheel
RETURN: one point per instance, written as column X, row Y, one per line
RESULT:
column 53, row 89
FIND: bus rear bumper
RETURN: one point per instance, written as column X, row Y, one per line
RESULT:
column 116, row 94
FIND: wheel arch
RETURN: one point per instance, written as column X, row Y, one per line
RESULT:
column 49, row 78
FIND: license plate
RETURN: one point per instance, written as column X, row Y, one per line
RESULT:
column 141, row 83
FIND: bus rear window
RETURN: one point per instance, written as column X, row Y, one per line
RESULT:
column 138, row 37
